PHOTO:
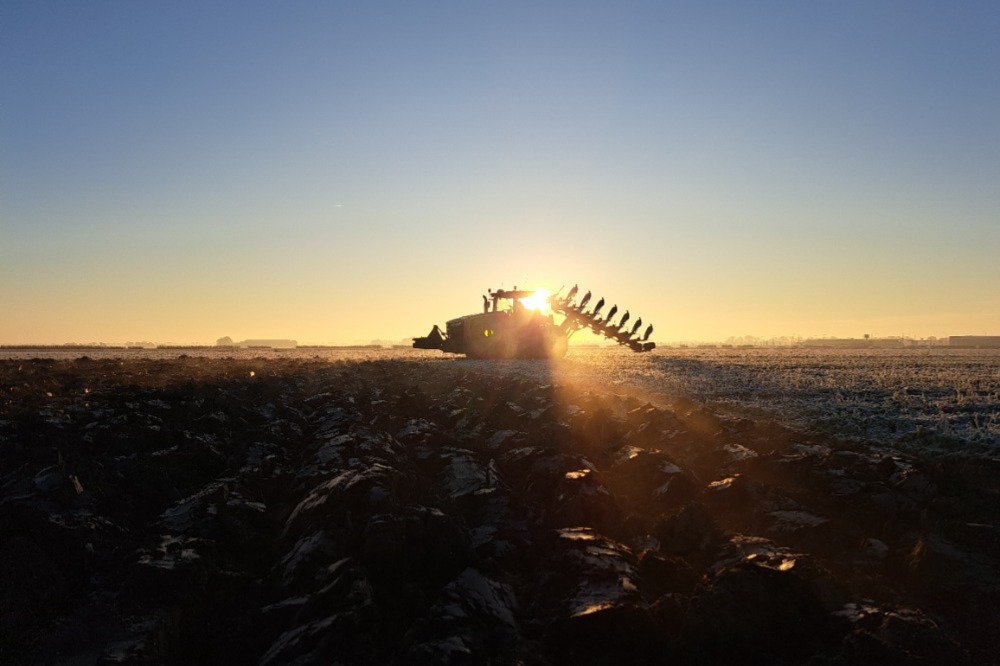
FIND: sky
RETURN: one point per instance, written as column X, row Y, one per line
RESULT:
column 337, row 172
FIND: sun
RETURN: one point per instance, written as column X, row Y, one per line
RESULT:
column 537, row 301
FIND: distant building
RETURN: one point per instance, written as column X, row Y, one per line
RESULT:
column 856, row 343
column 974, row 340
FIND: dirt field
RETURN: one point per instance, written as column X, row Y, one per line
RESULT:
column 296, row 510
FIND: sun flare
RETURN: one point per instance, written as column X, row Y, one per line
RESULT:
column 537, row 301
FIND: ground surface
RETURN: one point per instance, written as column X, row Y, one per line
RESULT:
column 292, row 510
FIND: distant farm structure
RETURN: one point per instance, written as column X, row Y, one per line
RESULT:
column 974, row 341
column 856, row 343
column 869, row 342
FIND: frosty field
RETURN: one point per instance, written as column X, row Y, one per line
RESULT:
column 921, row 400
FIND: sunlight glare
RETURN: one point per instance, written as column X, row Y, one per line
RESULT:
column 537, row 301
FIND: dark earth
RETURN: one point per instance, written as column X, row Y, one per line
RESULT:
column 218, row 510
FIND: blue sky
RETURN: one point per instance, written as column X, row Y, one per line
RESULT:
column 337, row 172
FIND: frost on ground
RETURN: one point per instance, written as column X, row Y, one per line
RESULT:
column 927, row 401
